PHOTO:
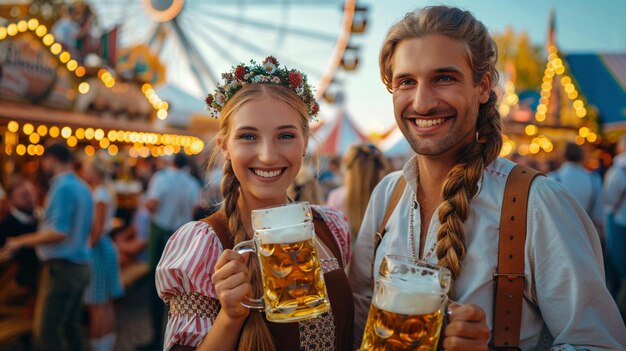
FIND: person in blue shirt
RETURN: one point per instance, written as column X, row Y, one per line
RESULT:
column 62, row 245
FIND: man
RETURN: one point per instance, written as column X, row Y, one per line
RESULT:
column 172, row 197
column 585, row 186
column 61, row 245
column 439, row 64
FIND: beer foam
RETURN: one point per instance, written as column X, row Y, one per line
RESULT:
column 281, row 216
column 406, row 299
column 290, row 234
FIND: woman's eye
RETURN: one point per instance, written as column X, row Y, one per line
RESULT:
column 286, row 136
column 247, row 137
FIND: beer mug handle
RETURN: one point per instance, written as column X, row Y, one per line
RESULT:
column 255, row 304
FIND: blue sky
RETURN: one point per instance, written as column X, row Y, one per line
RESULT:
column 582, row 26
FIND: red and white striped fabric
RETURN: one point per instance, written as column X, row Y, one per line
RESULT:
column 188, row 263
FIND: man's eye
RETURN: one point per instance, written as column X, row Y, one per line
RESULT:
column 407, row 82
column 445, row 79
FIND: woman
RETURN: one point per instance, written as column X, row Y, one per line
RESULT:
column 106, row 283
column 364, row 166
column 264, row 126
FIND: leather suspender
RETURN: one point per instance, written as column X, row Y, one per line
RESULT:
column 509, row 276
column 398, row 190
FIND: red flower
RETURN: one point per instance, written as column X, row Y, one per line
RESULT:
column 209, row 100
column 295, row 79
column 271, row 59
column 239, row 72
column 315, row 108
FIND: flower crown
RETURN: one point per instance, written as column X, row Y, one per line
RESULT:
column 267, row 72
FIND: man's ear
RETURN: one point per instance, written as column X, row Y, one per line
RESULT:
column 221, row 143
column 484, row 88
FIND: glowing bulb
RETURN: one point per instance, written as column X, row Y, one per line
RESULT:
column 42, row 130
column 113, row 150
column 41, row 31
column 34, row 138
column 12, row 29
column 48, row 39
column 80, row 71
column 72, row 65
column 33, row 23
column 83, row 88
column 28, row 128
column 66, row 132
column 56, row 48
column 54, row 131
column 13, row 127
column 3, row 33
column 22, row 26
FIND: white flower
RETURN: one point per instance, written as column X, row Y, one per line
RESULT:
column 269, row 67
column 300, row 90
column 220, row 99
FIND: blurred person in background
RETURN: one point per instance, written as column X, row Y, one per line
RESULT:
column 62, row 246
column 22, row 218
column 305, row 188
column 584, row 185
column 330, row 178
column 614, row 203
column 363, row 167
column 105, row 282
column 172, row 198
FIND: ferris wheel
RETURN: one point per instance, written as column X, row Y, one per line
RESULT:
column 199, row 39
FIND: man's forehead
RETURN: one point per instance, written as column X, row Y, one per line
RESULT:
column 433, row 52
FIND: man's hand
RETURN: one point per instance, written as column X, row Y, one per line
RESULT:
column 467, row 329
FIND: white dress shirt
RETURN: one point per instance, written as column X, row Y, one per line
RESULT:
column 566, row 304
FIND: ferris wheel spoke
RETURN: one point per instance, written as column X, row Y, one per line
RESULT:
column 196, row 61
column 266, row 25
column 257, row 50
column 204, row 38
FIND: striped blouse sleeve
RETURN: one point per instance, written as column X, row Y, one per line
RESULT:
column 183, row 280
column 338, row 225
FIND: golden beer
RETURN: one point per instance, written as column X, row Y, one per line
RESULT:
column 387, row 330
column 293, row 281
column 407, row 306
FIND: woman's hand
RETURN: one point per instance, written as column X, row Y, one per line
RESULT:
column 232, row 283
column 467, row 329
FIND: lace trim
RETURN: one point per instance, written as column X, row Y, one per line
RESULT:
column 194, row 304
column 329, row 264
column 318, row 334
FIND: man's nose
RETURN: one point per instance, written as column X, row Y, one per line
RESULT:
column 424, row 100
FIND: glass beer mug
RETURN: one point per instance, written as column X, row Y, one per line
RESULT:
column 293, row 281
column 408, row 305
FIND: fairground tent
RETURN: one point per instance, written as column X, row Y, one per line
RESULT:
column 602, row 79
column 334, row 137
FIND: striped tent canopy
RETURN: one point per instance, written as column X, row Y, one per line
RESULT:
column 334, row 137
column 602, row 79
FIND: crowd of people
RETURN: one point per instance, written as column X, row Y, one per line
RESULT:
column 443, row 207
